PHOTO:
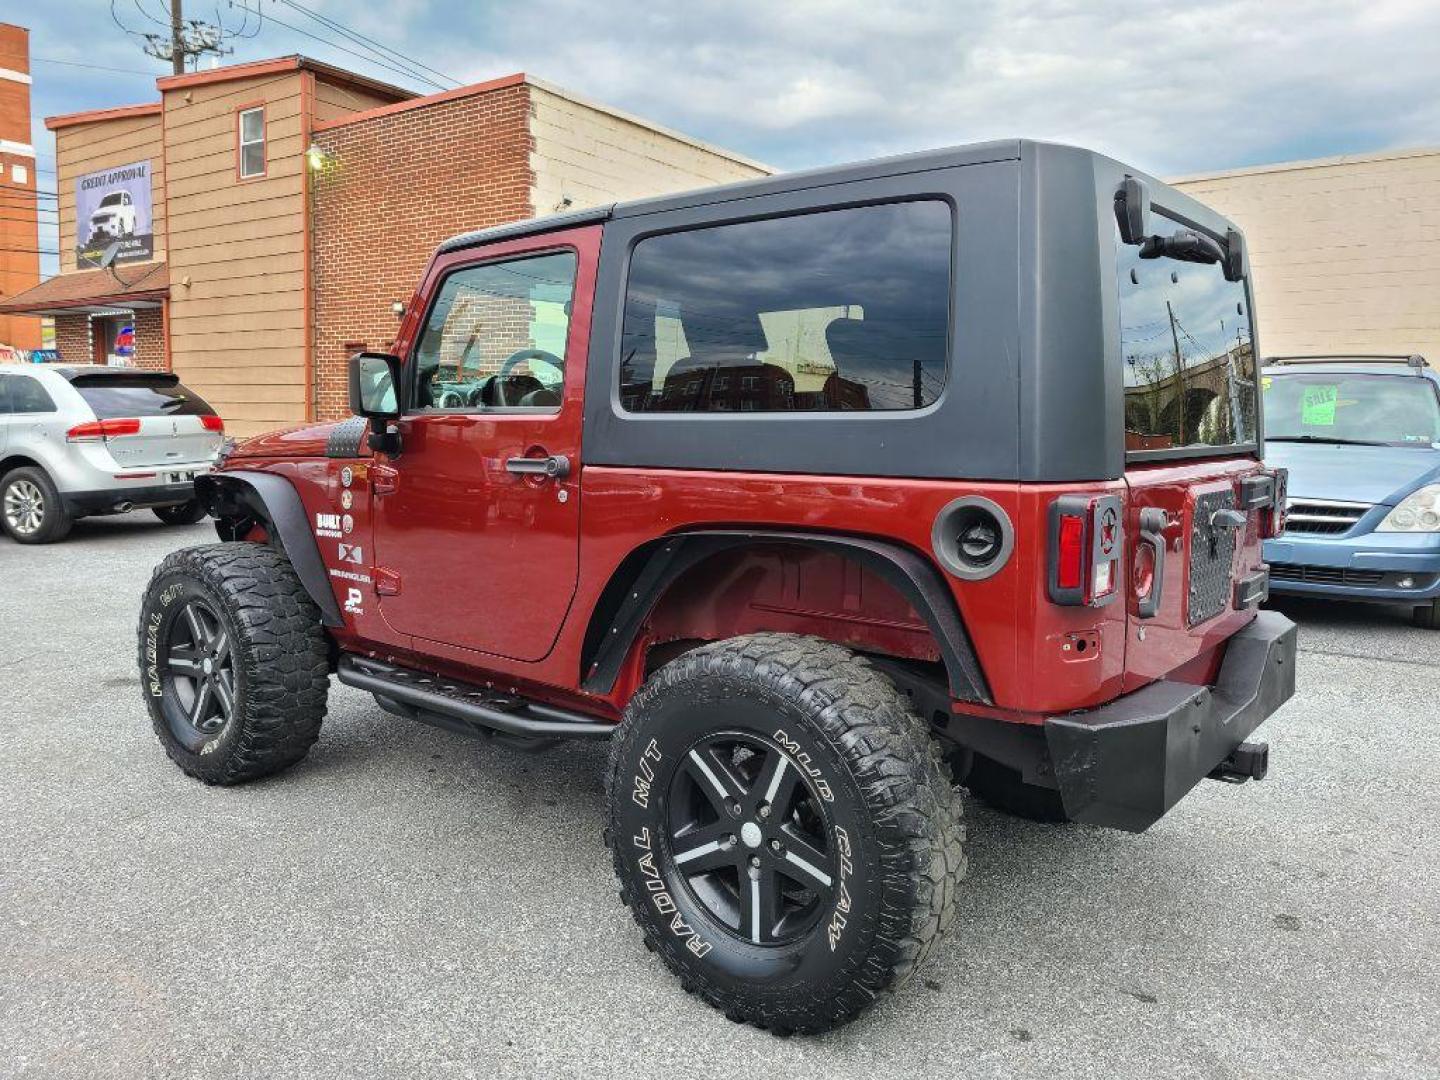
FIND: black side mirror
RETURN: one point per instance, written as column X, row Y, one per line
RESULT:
column 1132, row 210
column 375, row 386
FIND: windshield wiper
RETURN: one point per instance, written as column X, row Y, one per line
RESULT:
column 1185, row 246
column 1325, row 439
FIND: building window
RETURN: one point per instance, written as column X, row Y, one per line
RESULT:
column 252, row 142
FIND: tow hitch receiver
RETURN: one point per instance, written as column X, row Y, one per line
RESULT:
column 1248, row 761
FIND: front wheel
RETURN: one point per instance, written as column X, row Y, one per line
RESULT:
column 234, row 662
column 783, row 829
column 31, row 509
column 186, row 513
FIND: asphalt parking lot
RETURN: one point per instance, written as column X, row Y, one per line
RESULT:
column 407, row 903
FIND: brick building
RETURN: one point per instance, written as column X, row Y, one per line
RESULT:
column 19, row 232
column 281, row 208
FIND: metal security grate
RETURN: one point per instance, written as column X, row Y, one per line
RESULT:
column 1325, row 575
column 1212, row 553
column 1322, row 517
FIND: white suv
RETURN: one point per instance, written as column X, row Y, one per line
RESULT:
column 78, row 440
column 114, row 217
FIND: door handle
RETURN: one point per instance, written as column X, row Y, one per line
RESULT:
column 384, row 480
column 1152, row 534
column 555, row 466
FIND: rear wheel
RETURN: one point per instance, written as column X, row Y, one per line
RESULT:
column 1428, row 615
column 234, row 662
column 783, row 829
column 1003, row 788
column 31, row 509
column 186, row 513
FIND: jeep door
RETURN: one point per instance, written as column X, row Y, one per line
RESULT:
column 477, row 519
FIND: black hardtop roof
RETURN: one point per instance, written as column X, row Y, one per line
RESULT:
column 974, row 154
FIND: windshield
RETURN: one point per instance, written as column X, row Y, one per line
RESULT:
column 1186, row 341
column 110, row 200
column 1329, row 406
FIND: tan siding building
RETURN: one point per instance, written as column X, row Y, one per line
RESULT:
column 1345, row 251
column 237, row 308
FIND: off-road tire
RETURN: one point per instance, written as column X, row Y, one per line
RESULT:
column 186, row 513
column 1427, row 616
column 55, row 522
column 280, row 667
column 1003, row 788
column 838, row 722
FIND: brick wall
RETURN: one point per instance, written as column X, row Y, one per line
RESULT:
column 149, row 340
column 72, row 338
column 76, row 344
column 392, row 188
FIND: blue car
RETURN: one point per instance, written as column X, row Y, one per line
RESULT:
column 1361, row 438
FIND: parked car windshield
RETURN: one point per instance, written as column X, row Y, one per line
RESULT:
column 113, row 396
column 1189, row 361
column 111, row 200
column 1328, row 406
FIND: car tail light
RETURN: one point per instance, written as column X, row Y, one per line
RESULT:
column 1272, row 521
column 213, row 423
column 1087, row 545
column 100, row 430
column 1070, row 566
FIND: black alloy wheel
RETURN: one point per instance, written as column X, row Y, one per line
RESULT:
column 748, row 834
column 198, row 670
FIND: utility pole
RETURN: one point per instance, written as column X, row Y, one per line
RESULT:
column 182, row 39
column 177, row 38
column 1179, row 372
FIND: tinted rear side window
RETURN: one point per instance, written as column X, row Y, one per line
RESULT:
column 113, row 396
column 26, row 395
column 829, row 311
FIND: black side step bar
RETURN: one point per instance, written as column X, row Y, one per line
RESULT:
column 463, row 707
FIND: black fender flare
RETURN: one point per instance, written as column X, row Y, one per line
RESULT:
column 642, row 578
column 265, row 497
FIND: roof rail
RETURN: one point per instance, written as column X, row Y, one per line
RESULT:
column 1414, row 360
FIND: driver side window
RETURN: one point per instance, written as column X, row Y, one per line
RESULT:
column 495, row 338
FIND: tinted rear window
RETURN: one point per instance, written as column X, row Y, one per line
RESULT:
column 114, row 396
column 829, row 311
column 1189, row 359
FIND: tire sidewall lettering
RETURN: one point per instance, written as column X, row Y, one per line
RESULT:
column 660, row 888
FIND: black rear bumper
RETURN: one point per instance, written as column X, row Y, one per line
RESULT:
column 1125, row 764
column 82, row 503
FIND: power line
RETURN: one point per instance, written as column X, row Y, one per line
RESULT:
column 408, row 73
column 370, row 42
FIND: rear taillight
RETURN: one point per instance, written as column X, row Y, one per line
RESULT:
column 1087, row 544
column 1272, row 520
column 213, row 423
column 100, row 430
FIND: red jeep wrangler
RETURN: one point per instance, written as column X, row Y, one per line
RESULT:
column 815, row 495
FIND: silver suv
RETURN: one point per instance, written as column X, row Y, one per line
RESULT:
column 77, row 440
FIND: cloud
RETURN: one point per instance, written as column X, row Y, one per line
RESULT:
column 1172, row 86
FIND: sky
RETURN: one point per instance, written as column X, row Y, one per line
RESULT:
column 1171, row 87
